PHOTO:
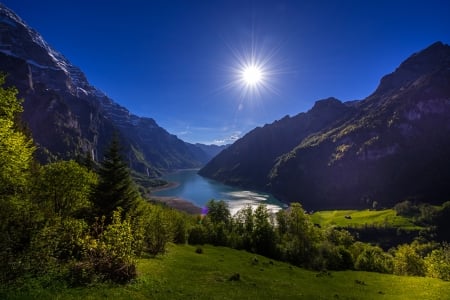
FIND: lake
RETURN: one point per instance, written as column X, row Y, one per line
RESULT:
column 199, row 190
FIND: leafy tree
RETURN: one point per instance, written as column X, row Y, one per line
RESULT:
column 244, row 224
column 218, row 212
column 301, row 238
column 16, row 157
column 408, row 262
column 16, row 149
column 263, row 236
column 282, row 224
column 115, row 188
column 64, row 187
column 437, row 263
column 218, row 222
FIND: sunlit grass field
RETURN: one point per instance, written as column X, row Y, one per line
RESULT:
column 386, row 217
column 184, row 274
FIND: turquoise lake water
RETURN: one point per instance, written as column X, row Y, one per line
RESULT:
column 199, row 190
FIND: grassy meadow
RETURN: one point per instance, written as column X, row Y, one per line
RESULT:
column 184, row 274
column 359, row 218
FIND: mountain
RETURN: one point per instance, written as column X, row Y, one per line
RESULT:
column 388, row 147
column 211, row 150
column 69, row 118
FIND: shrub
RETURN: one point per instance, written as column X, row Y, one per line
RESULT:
column 437, row 263
column 373, row 259
column 332, row 257
column 197, row 235
column 108, row 253
column 408, row 262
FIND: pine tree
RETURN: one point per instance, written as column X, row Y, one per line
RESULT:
column 116, row 187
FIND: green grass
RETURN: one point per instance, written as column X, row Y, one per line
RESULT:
column 184, row 274
column 387, row 217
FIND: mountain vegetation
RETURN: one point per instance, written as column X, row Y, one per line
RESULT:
column 61, row 225
column 391, row 146
column 82, row 228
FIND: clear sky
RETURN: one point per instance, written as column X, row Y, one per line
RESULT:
column 178, row 61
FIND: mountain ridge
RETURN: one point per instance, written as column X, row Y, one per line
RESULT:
column 377, row 150
column 69, row 118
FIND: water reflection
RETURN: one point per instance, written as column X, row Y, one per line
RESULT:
column 200, row 190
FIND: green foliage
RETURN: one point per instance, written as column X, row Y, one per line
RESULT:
column 299, row 244
column 361, row 218
column 16, row 149
column 408, row 262
column 115, row 188
column 406, row 208
column 107, row 253
column 64, row 188
column 218, row 212
column 437, row 263
column 332, row 257
column 59, row 241
column 263, row 236
column 244, row 224
column 156, row 227
column 339, row 237
column 373, row 259
column 17, row 219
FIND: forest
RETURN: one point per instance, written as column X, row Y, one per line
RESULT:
column 84, row 222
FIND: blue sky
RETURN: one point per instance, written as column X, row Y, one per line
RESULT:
column 176, row 61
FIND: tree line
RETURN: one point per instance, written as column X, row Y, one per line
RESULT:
column 84, row 224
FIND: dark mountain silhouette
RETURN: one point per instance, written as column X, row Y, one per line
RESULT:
column 392, row 145
column 69, row 118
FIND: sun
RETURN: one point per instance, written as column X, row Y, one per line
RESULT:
column 253, row 72
column 252, row 75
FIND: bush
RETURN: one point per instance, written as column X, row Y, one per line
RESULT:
column 373, row 259
column 332, row 257
column 437, row 263
column 408, row 262
column 108, row 254
column 197, row 235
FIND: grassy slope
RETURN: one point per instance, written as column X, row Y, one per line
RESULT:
column 362, row 217
column 184, row 274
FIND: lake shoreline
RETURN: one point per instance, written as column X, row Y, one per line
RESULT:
column 178, row 203
column 187, row 191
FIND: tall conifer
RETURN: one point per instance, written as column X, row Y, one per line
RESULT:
column 116, row 187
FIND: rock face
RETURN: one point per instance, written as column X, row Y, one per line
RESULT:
column 393, row 145
column 69, row 118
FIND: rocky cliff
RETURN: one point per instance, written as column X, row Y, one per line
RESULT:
column 69, row 118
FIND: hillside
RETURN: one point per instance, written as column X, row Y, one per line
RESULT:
column 387, row 147
column 69, row 118
column 184, row 274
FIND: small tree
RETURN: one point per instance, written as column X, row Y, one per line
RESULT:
column 438, row 263
column 16, row 149
column 64, row 187
column 408, row 262
column 264, row 241
column 115, row 188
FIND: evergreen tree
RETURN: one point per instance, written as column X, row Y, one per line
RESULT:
column 115, row 188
